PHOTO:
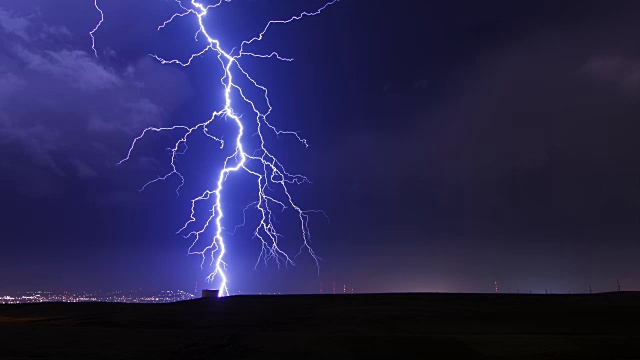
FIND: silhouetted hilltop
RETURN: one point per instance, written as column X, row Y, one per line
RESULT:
column 580, row 326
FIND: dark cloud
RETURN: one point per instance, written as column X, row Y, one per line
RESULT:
column 14, row 24
column 525, row 138
column 619, row 70
column 67, row 109
column 74, row 67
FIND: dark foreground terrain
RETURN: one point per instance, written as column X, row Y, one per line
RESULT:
column 394, row 326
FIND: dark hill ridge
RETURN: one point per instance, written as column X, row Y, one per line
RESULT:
column 447, row 326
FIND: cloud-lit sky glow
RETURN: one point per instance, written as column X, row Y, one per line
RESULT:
column 451, row 145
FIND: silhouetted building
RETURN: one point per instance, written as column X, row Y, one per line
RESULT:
column 208, row 293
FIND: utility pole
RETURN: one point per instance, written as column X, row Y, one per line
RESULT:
column 618, row 281
column 590, row 291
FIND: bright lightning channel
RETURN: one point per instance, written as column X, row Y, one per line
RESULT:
column 269, row 170
column 93, row 39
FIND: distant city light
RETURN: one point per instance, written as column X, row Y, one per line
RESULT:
column 166, row 296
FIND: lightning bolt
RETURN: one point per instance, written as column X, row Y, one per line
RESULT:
column 267, row 170
column 93, row 39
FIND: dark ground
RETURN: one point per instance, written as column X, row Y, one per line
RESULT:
column 427, row 326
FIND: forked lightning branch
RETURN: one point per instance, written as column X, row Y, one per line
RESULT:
column 267, row 170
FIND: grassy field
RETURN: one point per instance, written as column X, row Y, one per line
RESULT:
column 426, row 326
